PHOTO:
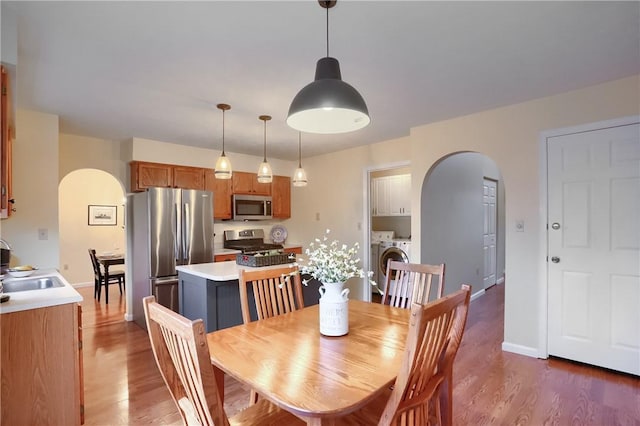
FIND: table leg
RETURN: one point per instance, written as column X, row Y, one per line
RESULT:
column 106, row 283
column 219, row 375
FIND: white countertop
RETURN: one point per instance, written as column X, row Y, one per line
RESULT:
column 33, row 299
column 221, row 271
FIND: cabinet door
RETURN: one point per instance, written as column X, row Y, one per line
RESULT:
column 5, row 149
column 247, row 183
column 147, row 175
column 221, row 194
column 400, row 195
column 382, row 196
column 188, row 177
column 281, row 193
column 243, row 182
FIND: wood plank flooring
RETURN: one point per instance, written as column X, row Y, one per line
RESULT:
column 491, row 387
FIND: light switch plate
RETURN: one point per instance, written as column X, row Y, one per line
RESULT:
column 519, row 225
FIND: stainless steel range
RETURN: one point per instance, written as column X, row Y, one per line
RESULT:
column 249, row 241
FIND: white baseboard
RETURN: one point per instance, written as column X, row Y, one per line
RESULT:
column 521, row 350
column 500, row 280
column 79, row 285
column 477, row 294
column 128, row 317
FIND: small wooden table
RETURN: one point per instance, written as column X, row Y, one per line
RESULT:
column 106, row 261
column 317, row 378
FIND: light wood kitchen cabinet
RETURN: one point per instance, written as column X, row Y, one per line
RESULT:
column 40, row 354
column 221, row 194
column 295, row 250
column 281, row 197
column 147, row 175
column 6, row 201
column 247, row 183
column 224, row 257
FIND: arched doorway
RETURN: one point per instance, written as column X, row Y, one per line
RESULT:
column 455, row 220
column 76, row 192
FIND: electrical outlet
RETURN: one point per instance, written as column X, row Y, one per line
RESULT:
column 519, row 225
column 317, row 216
column 65, row 267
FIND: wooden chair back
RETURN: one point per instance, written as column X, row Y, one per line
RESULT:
column 408, row 283
column 276, row 291
column 431, row 329
column 182, row 354
column 96, row 265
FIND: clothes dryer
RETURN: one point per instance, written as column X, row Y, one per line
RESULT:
column 398, row 250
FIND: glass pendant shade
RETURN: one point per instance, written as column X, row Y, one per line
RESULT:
column 300, row 177
column 265, row 175
column 223, row 165
column 328, row 105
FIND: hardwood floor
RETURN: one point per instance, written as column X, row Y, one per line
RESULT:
column 491, row 387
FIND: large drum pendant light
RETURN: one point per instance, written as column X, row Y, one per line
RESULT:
column 223, row 165
column 265, row 175
column 328, row 104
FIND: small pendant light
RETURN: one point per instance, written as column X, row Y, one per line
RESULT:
column 299, row 176
column 328, row 104
column 265, row 175
column 223, row 165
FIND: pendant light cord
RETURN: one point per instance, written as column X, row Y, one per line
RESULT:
column 327, row 31
column 265, row 141
column 299, row 150
column 223, row 133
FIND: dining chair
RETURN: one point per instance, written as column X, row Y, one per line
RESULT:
column 408, row 283
column 275, row 292
column 415, row 399
column 115, row 277
column 181, row 352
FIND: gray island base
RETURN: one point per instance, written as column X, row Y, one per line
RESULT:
column 210, row 291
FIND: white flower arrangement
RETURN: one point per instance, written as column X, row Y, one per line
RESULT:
column 332, row 262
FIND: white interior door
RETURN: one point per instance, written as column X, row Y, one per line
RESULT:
column 489, row 190
column 594, row 247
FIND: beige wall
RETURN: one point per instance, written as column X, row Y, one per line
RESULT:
column 35, row 189
column 77, row 191
column 511, row 137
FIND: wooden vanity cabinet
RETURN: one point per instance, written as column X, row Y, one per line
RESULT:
column 247, row 183
column 40, row 354
column 221, row 194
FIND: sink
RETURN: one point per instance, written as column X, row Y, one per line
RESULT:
column 32, row 284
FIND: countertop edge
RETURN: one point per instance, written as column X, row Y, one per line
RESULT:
column 35, row 299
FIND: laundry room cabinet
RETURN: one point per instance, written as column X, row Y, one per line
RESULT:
column 391, row 195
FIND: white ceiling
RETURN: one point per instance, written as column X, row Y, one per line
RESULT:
column 156, row 70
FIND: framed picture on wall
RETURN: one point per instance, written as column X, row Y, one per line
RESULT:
column 103, row 215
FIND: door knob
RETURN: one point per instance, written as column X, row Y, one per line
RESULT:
column 555, row 225
column 555, row 259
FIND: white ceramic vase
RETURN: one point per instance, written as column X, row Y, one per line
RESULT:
column 334, row 309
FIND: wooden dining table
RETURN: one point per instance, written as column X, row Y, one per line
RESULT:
column 106, row 260
column 317, row 378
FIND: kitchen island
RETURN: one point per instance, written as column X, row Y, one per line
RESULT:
column 210, row 291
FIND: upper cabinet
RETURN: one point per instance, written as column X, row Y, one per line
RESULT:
column 391, row 195
column 221, row 194
column 6, row 200
column 281, row 197
column 247, row 183
column 146, row 175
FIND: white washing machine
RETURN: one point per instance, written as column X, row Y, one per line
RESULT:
column 398, row 250
column 377, row 237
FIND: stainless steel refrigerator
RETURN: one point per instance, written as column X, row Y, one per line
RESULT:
column 166, row 227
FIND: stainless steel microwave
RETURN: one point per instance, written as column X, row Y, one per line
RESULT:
column 251, row 207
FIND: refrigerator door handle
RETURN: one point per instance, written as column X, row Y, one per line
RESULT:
column 177, row 227
column 187, row 225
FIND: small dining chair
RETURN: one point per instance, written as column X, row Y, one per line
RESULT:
column 115, row 277
column 416, row 398
column 181, row 352
column 408, row 283
column 275, row 292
